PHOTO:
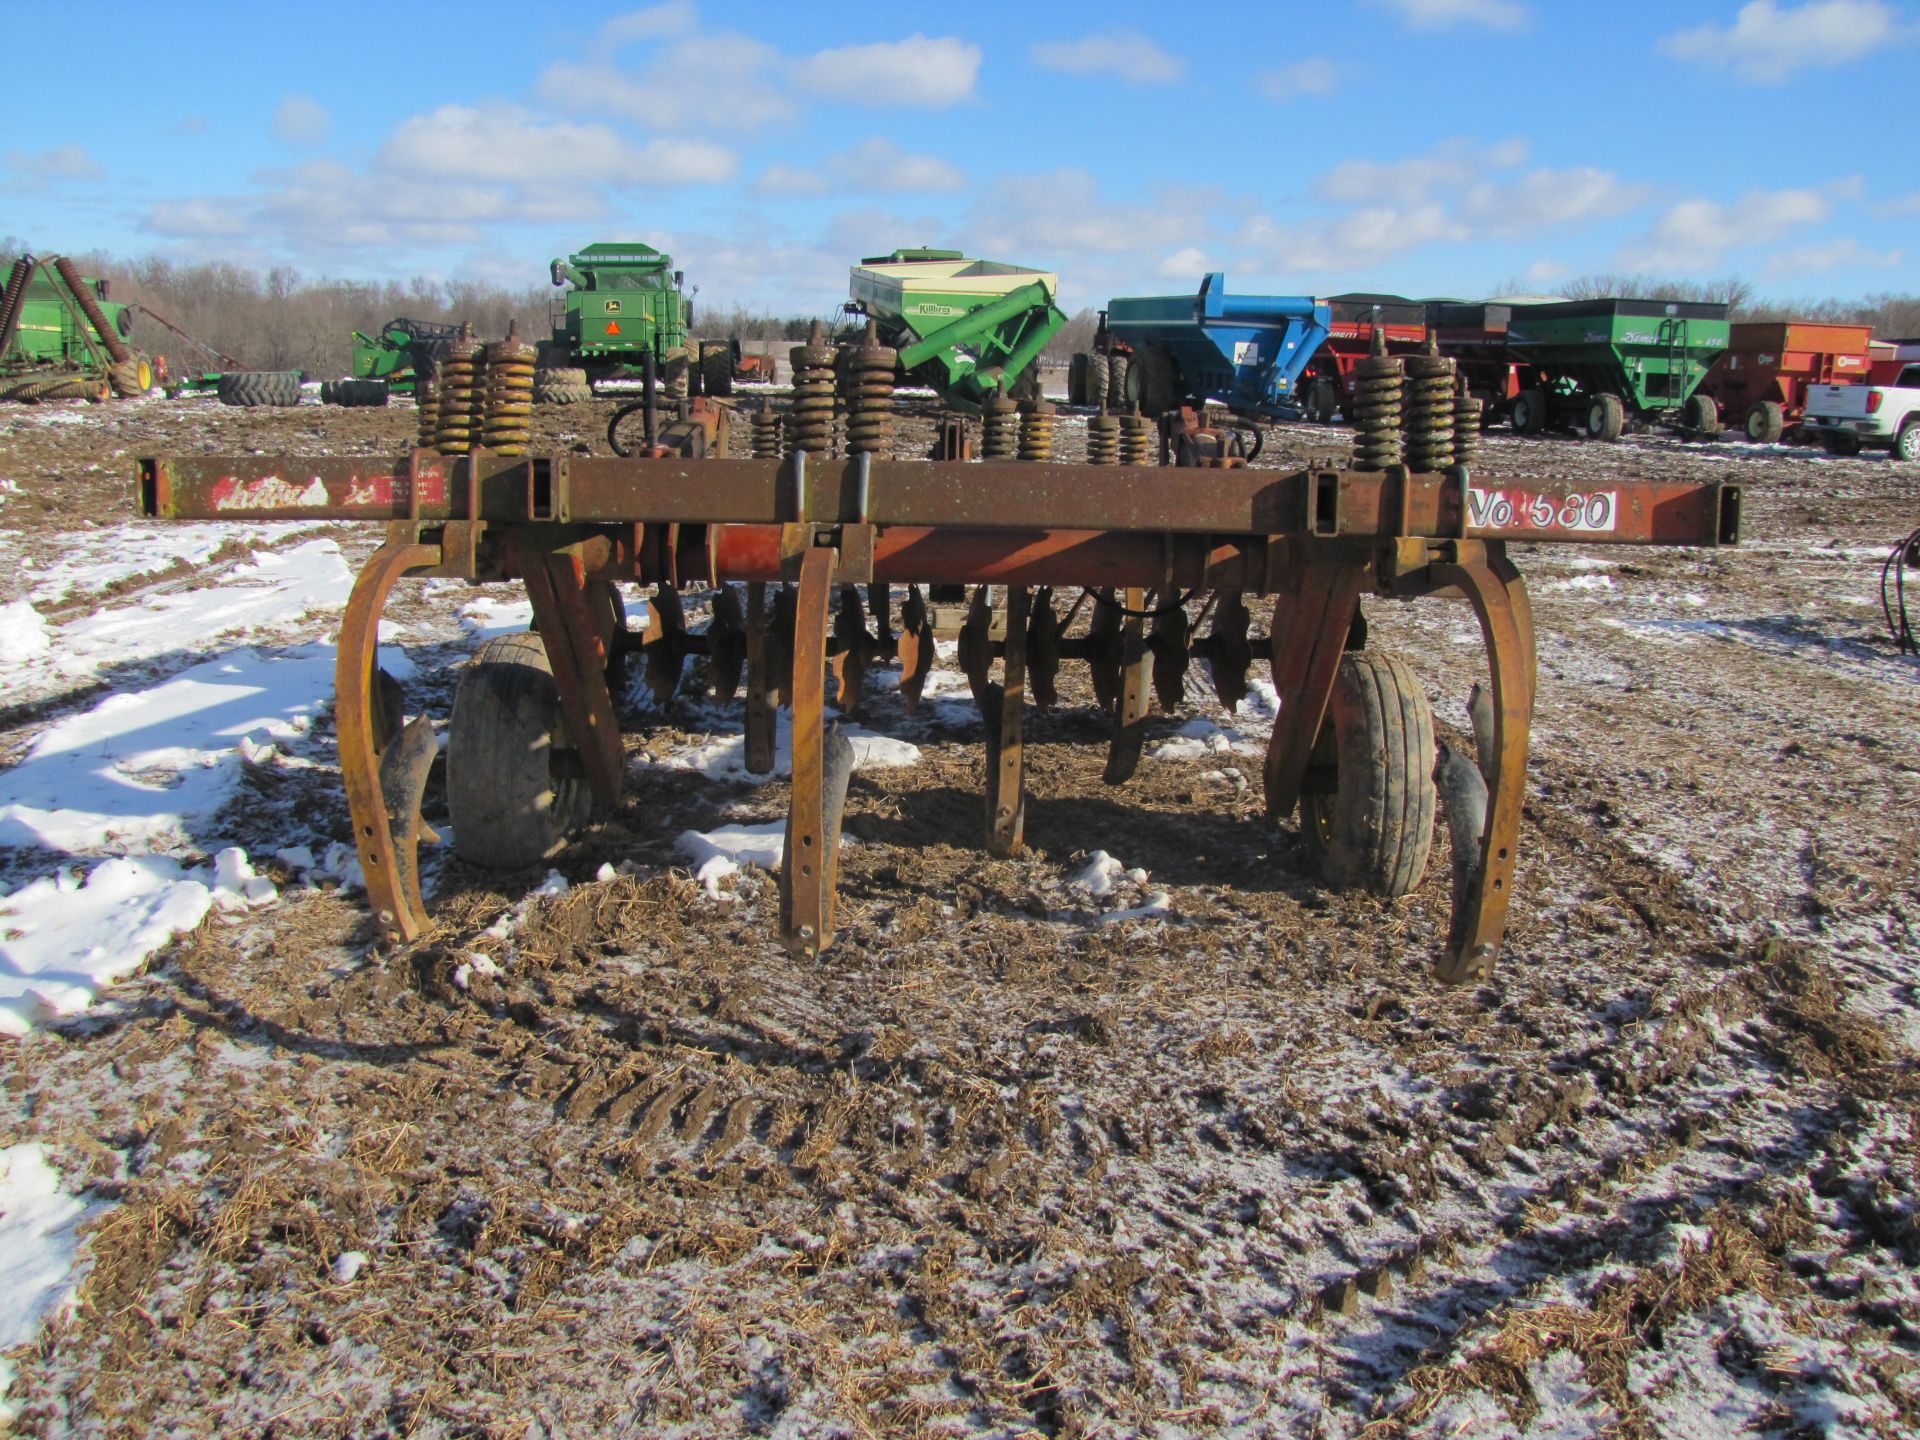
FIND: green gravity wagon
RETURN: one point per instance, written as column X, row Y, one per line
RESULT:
column 967, row 329
column 1588, row 365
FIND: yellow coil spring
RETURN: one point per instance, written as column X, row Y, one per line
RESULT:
column 1036, row 431
column 1429, row 412
column 461, row 397
column 869, row 376
column 426, row 395
column 1103, row 439
column 999, row 429
column 1466, row 429
column 507, row 428
column 810, row 422
column 1136, row 440
column 765, row 423
column 1378, row 385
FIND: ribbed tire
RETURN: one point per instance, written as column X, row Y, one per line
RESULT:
column 716, row 370
column 1096, row 380
column 251, row 388
column 1766, row 422
column 354, row 392
column 132, row 376
column 1606, row 417
column 563, row 385
column 508, row 808
column 1375, row 830
column 1118, row 367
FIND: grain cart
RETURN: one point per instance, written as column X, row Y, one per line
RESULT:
column 1327, row 384
column 1762, row 380
column 967, row 329
column 626, row 301
column 1245, row 351
column 61, row 338
column 534, row 745
column 1589, row 365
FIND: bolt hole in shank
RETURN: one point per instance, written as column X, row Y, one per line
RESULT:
column 1141, row 543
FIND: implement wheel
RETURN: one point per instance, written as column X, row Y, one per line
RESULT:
column 1529, row 413
column 513, row 781
column 1702, row 415
column 1606, row 417
column 1374, row 828
column 716, row 370
column 1766, row 422
column 253, row 388
column 1152, row 379
column 1324, row 400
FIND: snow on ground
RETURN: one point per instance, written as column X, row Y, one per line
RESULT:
column 273, row 590
column 95, row 560
column 718, row 854
column 723, row 755
column 39, row 1246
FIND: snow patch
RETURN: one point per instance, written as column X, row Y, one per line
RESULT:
column 39, row 1246
column 717, row 855
column 23, row 634
column 724, row 756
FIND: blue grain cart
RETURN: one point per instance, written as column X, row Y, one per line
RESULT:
column 1246, row 352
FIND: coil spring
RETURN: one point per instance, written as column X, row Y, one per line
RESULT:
column 1136, row 440
column 1036, row 431
column 11, row 301
column 460, row 395
column 999, row 429
column 766, row 432
column 507, row 428
column 1103, row 439
column 869, row 377
column 1378, row 384
column 1466, row 428
column 426, row 395
column 1429, row 412
column 810, row 421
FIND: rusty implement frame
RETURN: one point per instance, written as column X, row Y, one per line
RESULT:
column 801, row 531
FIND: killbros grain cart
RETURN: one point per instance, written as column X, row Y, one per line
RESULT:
column 1156, row 552
column 970, row 330
column 62, row 338
column 1246, row 352
column 1588, row 366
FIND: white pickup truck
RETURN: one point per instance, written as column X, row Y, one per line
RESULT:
column 1847, row 417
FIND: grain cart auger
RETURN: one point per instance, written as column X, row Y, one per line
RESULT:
column 535, row 717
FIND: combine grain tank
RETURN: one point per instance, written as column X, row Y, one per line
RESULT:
column 1589, row 365
column 1762, row 381
column 1246, row 352
column 967, row 329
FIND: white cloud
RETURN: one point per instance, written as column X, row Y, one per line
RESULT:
column 198, row 218
column 1547, row 197
column 1545, row 272
column 1126, row 54
column 1355, row 241
column 1768, row 42
column 1315, row 75
column 1449, row 166
column 500, row 142
column 1903, row 205
column 724, row 82
column 1054, row 217
column 1444, row 14
column 919, row 71
column 1187, row 263
column 1828, row 255
column 875, row 167
column 34, row 170
column 302, row 120
column 676, row 17
column 1693, row 234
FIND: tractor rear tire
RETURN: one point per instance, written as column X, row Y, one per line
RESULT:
column 1374, row 830
column 1098, row 374
column 251, row 389
column 1152, row 381
column 674, row 366
column 1766, row 422
column 132, row 376
column 509, row 809
column 716, row 370
column 561, row 386
column 1606, row 417
column 1529, row 413
column 1118, row 368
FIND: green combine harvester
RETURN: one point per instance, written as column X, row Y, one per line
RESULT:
column 61, row 338
column 966, row 329
column 625, row 303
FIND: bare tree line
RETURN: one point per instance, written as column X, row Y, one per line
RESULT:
column 281, row 320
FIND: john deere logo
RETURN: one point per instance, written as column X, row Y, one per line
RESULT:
column 613, row 307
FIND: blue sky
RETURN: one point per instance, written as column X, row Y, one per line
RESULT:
column 1419, row 146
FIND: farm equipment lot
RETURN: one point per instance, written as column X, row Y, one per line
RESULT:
column 1141, row 1131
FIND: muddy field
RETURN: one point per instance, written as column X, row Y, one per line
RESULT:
column 1182, row 1145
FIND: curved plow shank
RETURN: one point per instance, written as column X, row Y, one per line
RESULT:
column 387, row 841
column 822, row 766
